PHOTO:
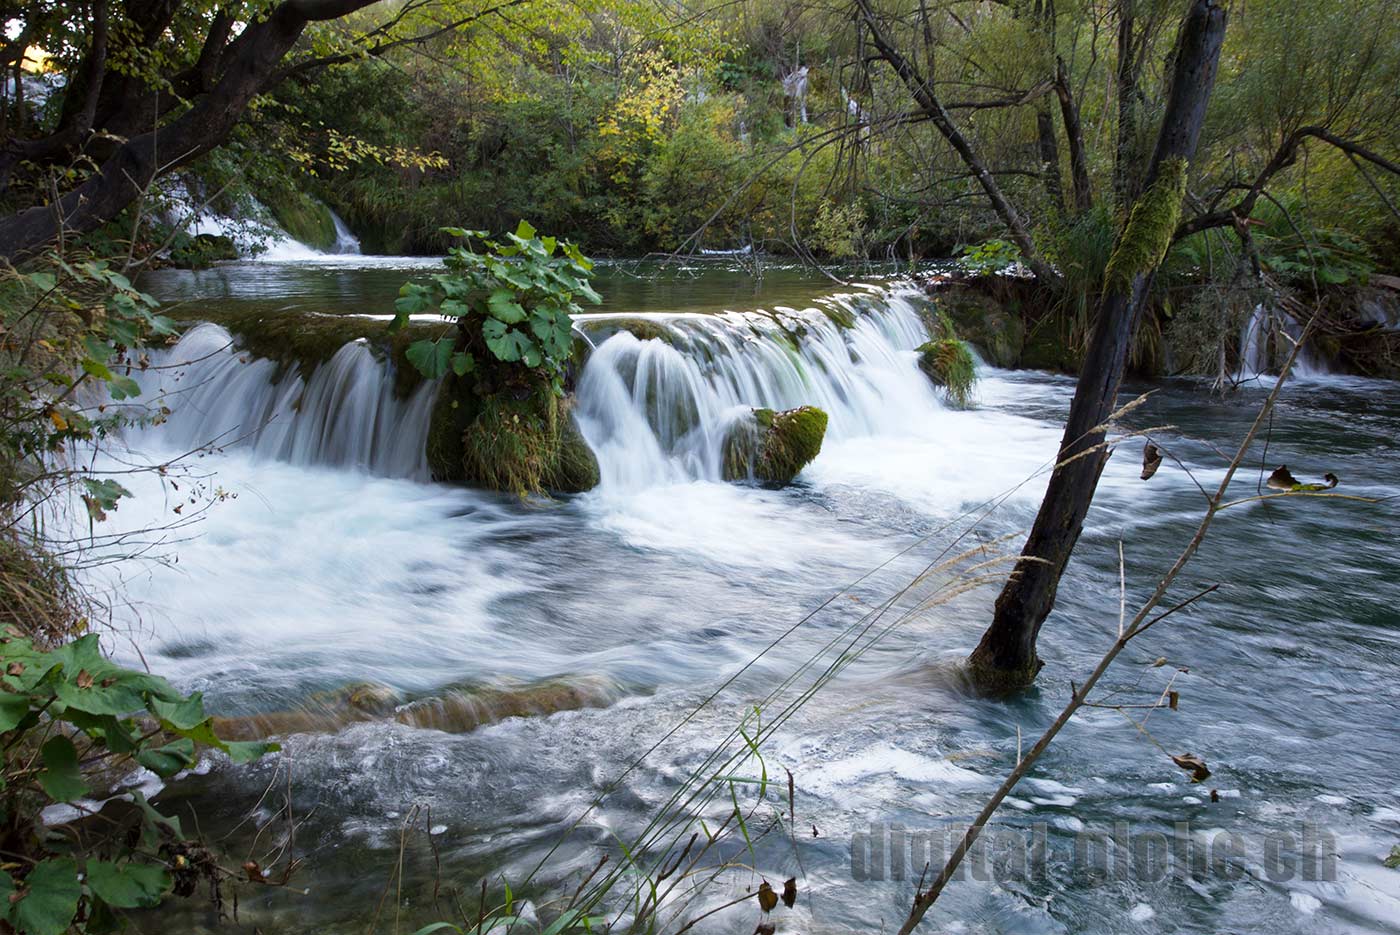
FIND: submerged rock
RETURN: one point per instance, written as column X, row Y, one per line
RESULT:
column 773, row 447
column 455, row 710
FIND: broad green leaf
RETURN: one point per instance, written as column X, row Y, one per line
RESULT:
column 183, row 714
column 97, row 369
column 129, row 885
column 50, row 900
column 168, row 760
column 13, row 709
column 463, row 363
column 504, row 307
column 42, row 281
column 61, row 778
column 246, row 751
column 454, row 308
column 124, row 388
column 430, row 357
column 525, row 230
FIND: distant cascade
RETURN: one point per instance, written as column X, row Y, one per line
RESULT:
column 657, row 411
column 1265, row 324
column 344, row 415
column 346, row 243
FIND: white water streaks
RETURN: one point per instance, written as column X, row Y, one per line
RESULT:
column 343, row 414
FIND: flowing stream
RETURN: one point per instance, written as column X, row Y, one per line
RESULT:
column 313, row 555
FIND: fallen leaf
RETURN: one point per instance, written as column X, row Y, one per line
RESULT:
column 1393, row 861
column 790, row 892
column 1172, row 699
column 1194, row 766
column 765, row 928
column 1282, row 479
column 84, row 679
column 1151, row 460
column 767, row 899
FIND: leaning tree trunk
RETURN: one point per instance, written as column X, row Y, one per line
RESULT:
column 1006, row 656
column 248, row 65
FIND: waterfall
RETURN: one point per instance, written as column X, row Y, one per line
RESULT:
column 657, row 411
column 1254, row 354
column 345, row 241
column 343, row 414
column 1255, row 357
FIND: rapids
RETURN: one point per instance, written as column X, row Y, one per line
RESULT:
column 336, row 564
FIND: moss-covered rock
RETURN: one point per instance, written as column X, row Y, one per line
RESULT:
column 988, row 311
column 526, row 446
column 773, row 447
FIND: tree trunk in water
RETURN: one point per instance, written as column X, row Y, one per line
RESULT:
column 1006, row 656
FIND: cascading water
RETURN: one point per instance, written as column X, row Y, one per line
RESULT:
column 657, row 411
column 1254, row 353
column 1254, row 345
column 344, row 414
column 346, row 243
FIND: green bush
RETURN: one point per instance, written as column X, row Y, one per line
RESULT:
column 70, row 721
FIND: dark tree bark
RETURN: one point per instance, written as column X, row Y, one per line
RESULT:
column 1049, row 155
column 1074, row 134
column 1006, row 656
column 243, row 67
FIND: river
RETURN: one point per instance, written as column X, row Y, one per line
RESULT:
column 336, row 563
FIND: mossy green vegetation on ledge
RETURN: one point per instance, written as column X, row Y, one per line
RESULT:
column 949, row 363
column 305, row 341
column 303, row 217
column 772, row 447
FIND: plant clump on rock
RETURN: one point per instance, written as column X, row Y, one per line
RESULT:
column 949, row 363
column 502, row 417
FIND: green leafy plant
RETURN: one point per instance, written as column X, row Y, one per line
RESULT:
column 989, row 256
column 71, row 721
column 67, row 324
column 512, row 304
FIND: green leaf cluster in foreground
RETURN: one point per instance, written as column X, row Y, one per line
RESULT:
column 70, row 719
column 512, row 302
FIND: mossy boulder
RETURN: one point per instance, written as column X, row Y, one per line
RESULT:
column 988, row 311
column 772, row 447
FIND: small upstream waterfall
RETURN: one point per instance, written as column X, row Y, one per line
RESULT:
column 344, row 414
column 346, row 243
column 1255, row 334
column 657, row 411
